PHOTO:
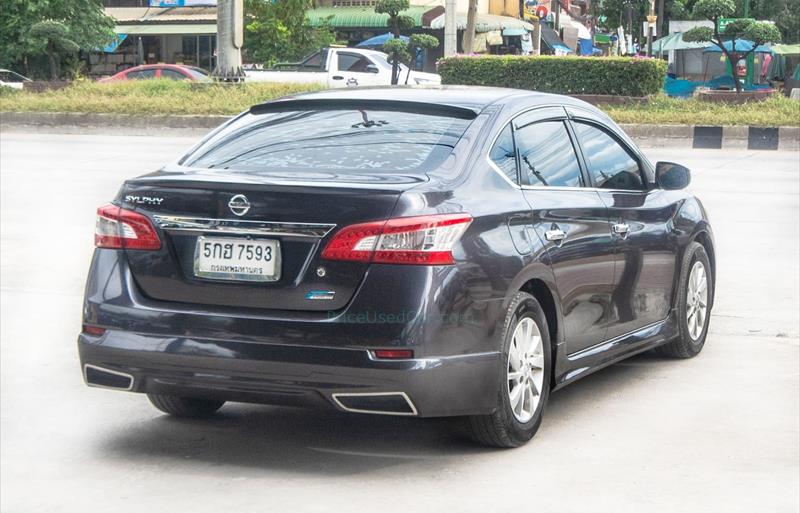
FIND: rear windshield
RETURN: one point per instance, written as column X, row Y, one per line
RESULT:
column 365, row 140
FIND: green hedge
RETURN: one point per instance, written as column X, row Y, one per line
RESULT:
column 563, row 75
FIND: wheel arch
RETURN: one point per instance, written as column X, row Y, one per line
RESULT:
column 704, row 237
column 542, row 292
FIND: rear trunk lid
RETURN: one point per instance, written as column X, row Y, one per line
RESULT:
column 301, row 211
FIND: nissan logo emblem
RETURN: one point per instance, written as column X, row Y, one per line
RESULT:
column 239, row 205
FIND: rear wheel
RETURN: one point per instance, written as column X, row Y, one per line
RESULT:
column 695, row 296
column 185, row 406
column 524, row 378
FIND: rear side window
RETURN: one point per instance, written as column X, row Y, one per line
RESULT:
column 141, row 74
column 610, row 165
column 546, row 155
column 172, row 74
column 502, row 154
column 366, row 140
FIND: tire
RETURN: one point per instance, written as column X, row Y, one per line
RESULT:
column 185, row 406
column 506, row 428
column 691, row 339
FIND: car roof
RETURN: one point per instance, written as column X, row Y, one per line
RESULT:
column 475, row 98
column 153, row 66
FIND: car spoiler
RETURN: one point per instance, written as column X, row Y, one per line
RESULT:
column 430, row 109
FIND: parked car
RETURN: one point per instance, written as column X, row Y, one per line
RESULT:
column 11, row 79
column 169, row 71
column 342, row 67
column 399, row 251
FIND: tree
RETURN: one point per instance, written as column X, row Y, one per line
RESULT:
column 402, row 51
column 56, row 40
column 758, row 32
column 785, row 13
column 469, row 33
column 84, row 21
column 615, row 13
column 280, row 31
column 396, row 23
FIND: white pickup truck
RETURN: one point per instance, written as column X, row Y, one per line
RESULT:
column 342, row 67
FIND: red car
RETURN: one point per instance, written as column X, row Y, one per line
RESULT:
column 170, row 71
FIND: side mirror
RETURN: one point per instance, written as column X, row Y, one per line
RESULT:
column 671, row 176
column 371, row 68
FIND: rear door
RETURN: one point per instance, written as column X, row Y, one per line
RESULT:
column 645, row 254
column 571, row 220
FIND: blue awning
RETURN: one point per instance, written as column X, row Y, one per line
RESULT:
column 378, row 41
column 112, row 46
column 742, row 45
column 514, row 31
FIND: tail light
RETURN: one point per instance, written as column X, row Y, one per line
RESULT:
column 422, row 240
column 117, row 228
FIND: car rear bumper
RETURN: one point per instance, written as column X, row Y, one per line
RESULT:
column 320, row 377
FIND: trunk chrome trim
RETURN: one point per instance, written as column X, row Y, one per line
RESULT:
column 240, row 227
column 412, row 413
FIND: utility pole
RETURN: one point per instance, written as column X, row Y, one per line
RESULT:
column 469, row 34
column 537, row 37
column 651, row 22
column 557, row 16
column 629, row 37
column 450, row 28
column 230, row 21
column 748, row 78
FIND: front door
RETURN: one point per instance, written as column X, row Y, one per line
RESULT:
column 353, row 70
column 640, row 217
column 571, row 220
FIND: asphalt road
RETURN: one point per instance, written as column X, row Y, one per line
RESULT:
column 718, row 433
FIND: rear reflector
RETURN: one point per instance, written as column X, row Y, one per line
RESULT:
column 421, row 240
column 393, row 354
column 117, row 228
column 94, row 331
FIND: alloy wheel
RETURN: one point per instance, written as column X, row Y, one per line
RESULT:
column 697, row 300
column 525, row 373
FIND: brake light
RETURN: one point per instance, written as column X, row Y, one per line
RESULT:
column 117, row 228
column 394, row 354
column 421, row 240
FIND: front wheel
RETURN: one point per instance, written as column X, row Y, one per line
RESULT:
column 523, row 377
column 695, row 296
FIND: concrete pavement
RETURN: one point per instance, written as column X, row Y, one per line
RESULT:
column 720, row 432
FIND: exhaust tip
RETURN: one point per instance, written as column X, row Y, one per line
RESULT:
column 380, row 403
column 105, row 378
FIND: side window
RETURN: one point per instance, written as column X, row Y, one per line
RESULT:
column 172, row 74
column 353, row 63
column 610, row 165
column 141, row 74
column 546, row 155
column 502, row 154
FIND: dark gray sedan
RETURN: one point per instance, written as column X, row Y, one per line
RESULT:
column 428, row 252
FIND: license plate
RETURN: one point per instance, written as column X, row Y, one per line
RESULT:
column 224, row 258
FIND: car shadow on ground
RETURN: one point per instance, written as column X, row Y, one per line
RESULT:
column 333, row 443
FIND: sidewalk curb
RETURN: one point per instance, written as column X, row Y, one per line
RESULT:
column 654, row 136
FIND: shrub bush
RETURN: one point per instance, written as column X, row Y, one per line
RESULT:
column 621, row 76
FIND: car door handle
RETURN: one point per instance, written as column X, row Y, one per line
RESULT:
column 621, row 229
column 337, row 77
column 555, row 235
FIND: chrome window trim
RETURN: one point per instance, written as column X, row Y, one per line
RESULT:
column 240, row 227
column 568, row 116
